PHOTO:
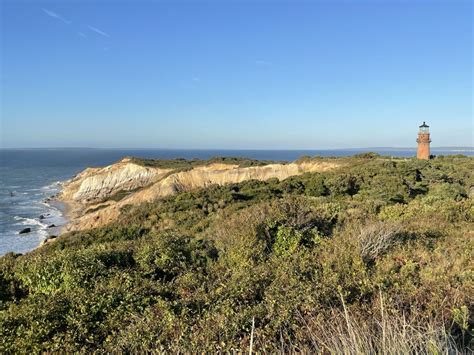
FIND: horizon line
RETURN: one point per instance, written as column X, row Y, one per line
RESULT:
column 236, row 149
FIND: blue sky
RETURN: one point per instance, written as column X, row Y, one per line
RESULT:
column 235, row 74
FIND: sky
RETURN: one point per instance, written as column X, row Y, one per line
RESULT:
column 235, row 74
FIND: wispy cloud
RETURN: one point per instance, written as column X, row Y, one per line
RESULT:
column 81, row 34
column 55, row 15
column 196, row 79
column 263, row 62
column 96, row 30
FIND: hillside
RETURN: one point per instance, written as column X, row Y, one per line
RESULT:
column 357, row 255
column 96, row 196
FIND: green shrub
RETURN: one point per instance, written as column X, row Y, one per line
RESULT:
column 167, row 255
column 287, row 240
column 446, row 191
column 315, row 186
column 342, row 184
column 11, row 288
column 368, row 155
column 64, row 270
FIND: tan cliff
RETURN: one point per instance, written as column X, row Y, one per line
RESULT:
column 96, row 196
column 95, row 184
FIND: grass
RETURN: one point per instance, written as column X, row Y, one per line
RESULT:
column 383, row 334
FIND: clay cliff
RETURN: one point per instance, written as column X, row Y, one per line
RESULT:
column 96, row 195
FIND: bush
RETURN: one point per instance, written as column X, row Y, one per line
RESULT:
column 376, row 239
column 65, row 270
column 342, row 184
column 446, row 191
column 287, row 240
column 368, row 155
column 315, row 186
column 11, row 289
column 167, row 255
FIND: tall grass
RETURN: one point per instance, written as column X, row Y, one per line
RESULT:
column 347, row 333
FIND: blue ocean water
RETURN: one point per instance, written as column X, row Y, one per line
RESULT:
column 29, row 176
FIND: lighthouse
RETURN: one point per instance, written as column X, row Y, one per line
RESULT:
column 423, row 142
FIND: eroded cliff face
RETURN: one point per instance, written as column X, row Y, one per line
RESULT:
column 97, row 184
column 91, row 193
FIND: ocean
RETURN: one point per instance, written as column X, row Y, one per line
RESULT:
column 29, row 176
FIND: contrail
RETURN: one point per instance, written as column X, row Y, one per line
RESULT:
column 55, row 15
column 96, row 30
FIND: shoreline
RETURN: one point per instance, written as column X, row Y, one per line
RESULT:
column 65, row 209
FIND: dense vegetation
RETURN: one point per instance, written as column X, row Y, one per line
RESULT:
column 374, row 257
column 185, row 164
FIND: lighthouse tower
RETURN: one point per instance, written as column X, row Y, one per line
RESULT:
column 423, row 142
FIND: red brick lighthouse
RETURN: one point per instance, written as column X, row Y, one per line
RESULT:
column 423, row 142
